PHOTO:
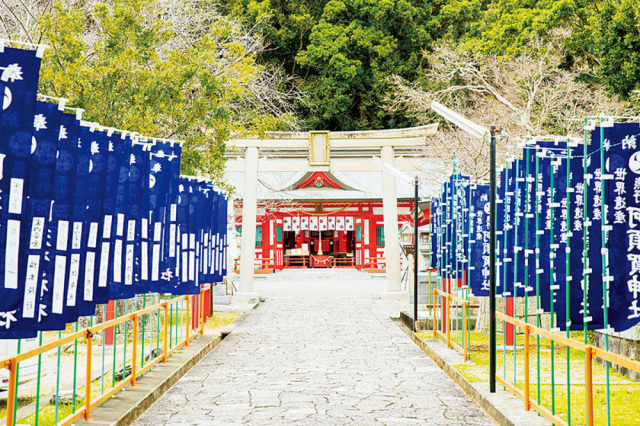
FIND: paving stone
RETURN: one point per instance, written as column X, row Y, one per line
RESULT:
column 321, row 352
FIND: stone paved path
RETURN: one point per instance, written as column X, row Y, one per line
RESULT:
column 316, row 353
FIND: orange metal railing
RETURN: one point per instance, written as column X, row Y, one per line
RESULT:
column 446, row 321
column 11, row 363
column 590, row 352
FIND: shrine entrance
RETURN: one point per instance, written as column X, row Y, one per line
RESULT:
column 324, row 200
column 319, row 249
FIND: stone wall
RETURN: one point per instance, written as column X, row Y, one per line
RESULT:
column 482, row 325
column 626, row 343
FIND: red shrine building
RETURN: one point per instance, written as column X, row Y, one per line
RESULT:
column 324, row 220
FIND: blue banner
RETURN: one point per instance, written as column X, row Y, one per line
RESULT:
column 40, row 191
column 78, row 234
column 19, row 76
column 508, row 191
column 622, row 195
column 479, row 240
column 169, row 272
column 117, row 285
column 56, row 268
column 115, row 144
column 93, row 228
column 161, row 181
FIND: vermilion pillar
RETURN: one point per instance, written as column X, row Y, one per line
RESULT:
column 109, row 314
column 509, row 328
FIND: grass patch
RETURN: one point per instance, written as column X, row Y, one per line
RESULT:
column 221, row 319
column 47, row 414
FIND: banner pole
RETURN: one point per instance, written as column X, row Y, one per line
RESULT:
column 585, row 260
column 527, row 212
column 567, row 278
column 516, row 203
column 467, row 281
column 552, row 257
column 439, row 259
column 605, row 268
column 504, row 270
column 537, row 265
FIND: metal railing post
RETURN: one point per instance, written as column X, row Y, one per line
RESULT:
column 527, row 402
column 434, row 307
column 135, row 350
column 202, row 316
column 165, row 342
column 448, row 321
column 87, row 382
column 186, row 339
column 13, row 369
column 464, row 331
column 589, row 383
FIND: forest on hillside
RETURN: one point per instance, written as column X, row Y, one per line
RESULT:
column 203, row 70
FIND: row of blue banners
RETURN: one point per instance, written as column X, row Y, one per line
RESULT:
column 568, row 229
column 89, row 215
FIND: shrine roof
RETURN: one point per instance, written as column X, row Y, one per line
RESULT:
column 329, row 186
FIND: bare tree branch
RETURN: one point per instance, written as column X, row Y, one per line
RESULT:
column 524, row 96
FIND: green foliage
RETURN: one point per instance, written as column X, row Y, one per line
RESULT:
column 286, row 26
column 616, row 42
column 602, row 34
column 456, row 19
column 342, row 52
column 356, row 45
column 120, row 62
column 507, row 25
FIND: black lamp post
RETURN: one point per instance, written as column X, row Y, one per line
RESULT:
column 479, row 132
column 415, row 256
column 492, row 264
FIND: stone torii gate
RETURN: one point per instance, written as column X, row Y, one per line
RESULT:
column 327, row 151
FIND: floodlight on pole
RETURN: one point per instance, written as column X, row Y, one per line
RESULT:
column 415, row 183
column 478, row 131
column 465, row 124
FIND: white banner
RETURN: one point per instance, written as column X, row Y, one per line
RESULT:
column 349, row 223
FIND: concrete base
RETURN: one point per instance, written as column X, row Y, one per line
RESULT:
column 395, row 295
column 222, row 300
column 426, row 322
column 245, row 297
